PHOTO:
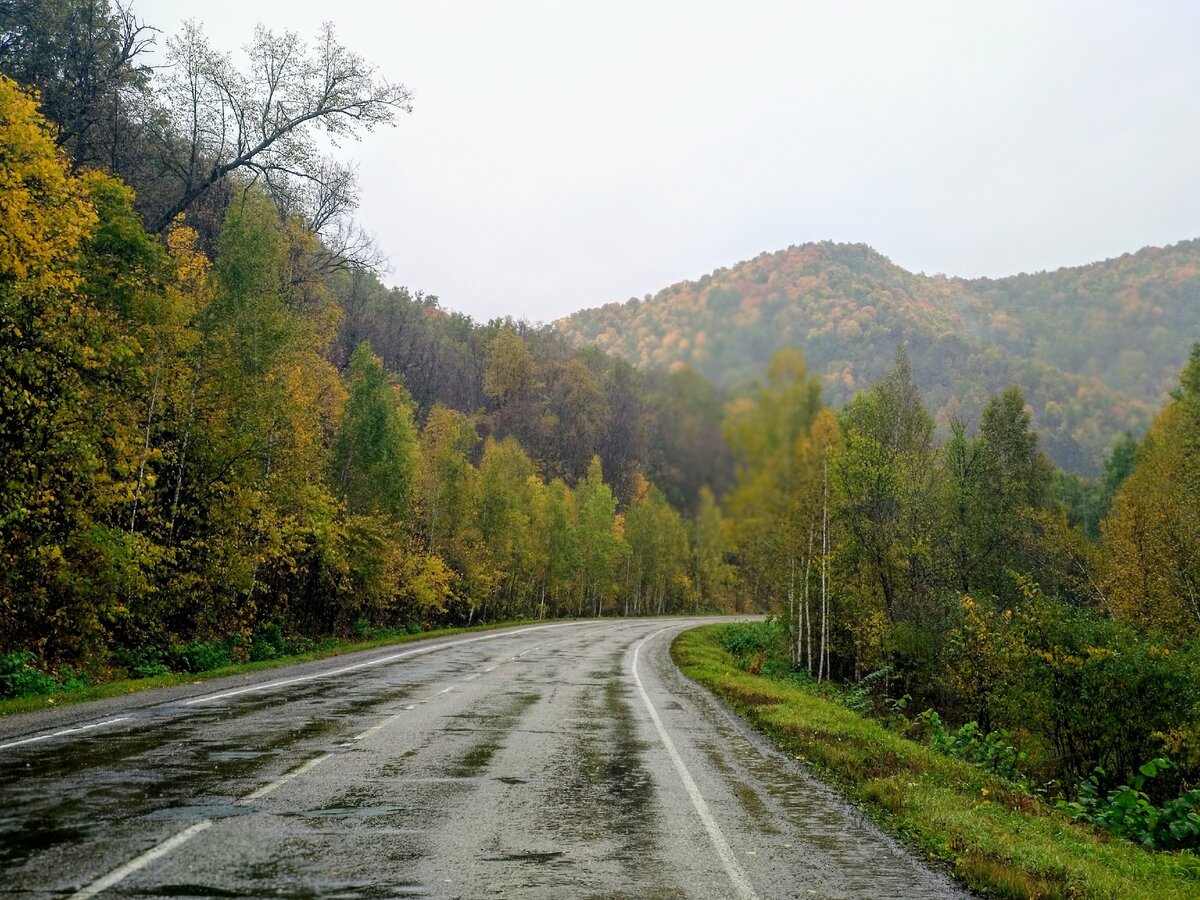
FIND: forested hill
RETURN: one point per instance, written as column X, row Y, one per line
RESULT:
column 1095, row 348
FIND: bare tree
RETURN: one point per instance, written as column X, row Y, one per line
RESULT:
column 268, row 122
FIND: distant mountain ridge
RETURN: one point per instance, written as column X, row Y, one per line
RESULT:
column 1095, row 347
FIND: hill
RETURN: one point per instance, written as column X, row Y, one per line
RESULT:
column 1095, row 348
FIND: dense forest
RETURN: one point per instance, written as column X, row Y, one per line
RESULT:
column 219, row 426
column 1063, row 337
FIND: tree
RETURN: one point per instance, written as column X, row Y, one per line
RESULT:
column 712, row 576
column 778, row 499
column 657, row 558
column 447, row 486
column 51, row 354
column 82, row 57
column 503, row 514
column 886, row 477
column 557, row 549
column 375, row 451
column 218, row 120
column 1152, row 536
column 600, row 544
column 510, row 381
column 995, row 484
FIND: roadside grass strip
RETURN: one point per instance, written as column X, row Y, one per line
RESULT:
column 995, row 839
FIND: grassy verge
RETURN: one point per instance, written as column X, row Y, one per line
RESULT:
column 996, row 840
column 135, row 685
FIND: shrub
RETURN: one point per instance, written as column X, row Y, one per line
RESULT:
column 20, row 677
column 991, row 751
column 268, row 642
column 860, row 697
column 749, row 639
column 202, row 656
column 149, row 670
column 1127, row 811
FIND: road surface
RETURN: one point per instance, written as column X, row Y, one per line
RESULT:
column 560, row 760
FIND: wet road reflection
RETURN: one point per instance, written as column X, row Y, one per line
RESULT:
column 520, row 766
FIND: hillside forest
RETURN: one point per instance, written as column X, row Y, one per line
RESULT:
column 223, row 437
column 1062, row 336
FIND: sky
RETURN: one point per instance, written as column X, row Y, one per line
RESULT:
column 566, row 154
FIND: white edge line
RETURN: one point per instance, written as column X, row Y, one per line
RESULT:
column 285, row 778
column 120, row 873
column 65, row 731
column 736, row 875
column 379, row 661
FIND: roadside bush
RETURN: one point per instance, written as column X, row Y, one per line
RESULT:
column 149, row 670
column 755, row 639
column 202, row 656
column 268, row 642
column 20, row 676
column 991, row 751
column 1100, row 694
column 143, row 662
column 861, row 697
column 1128, row 812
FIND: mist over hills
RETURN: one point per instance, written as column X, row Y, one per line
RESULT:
column 1095, row 348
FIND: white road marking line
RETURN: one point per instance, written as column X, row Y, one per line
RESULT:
column 285, row 778
column 491, row 668
column 271, row 685
column 374, row 728
column 120, row 873
column 736, row 875
column 435, row 696
column 472, row 677
column 65, row 731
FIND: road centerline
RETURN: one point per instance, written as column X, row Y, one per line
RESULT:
column 119, row 874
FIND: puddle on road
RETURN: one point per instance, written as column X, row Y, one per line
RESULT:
column 34, row 835
column 602, row 793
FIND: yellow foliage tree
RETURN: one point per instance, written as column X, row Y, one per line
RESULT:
column 44, row 210
column 1152, row 536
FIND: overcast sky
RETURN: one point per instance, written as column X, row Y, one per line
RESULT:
column 565, row 154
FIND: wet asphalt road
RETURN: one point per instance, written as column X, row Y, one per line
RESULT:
column 568, row 760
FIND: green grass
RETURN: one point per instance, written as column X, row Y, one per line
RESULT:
column 125, row 686
column 995, row 839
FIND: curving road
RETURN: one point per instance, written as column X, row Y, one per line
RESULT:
column 561, row 760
